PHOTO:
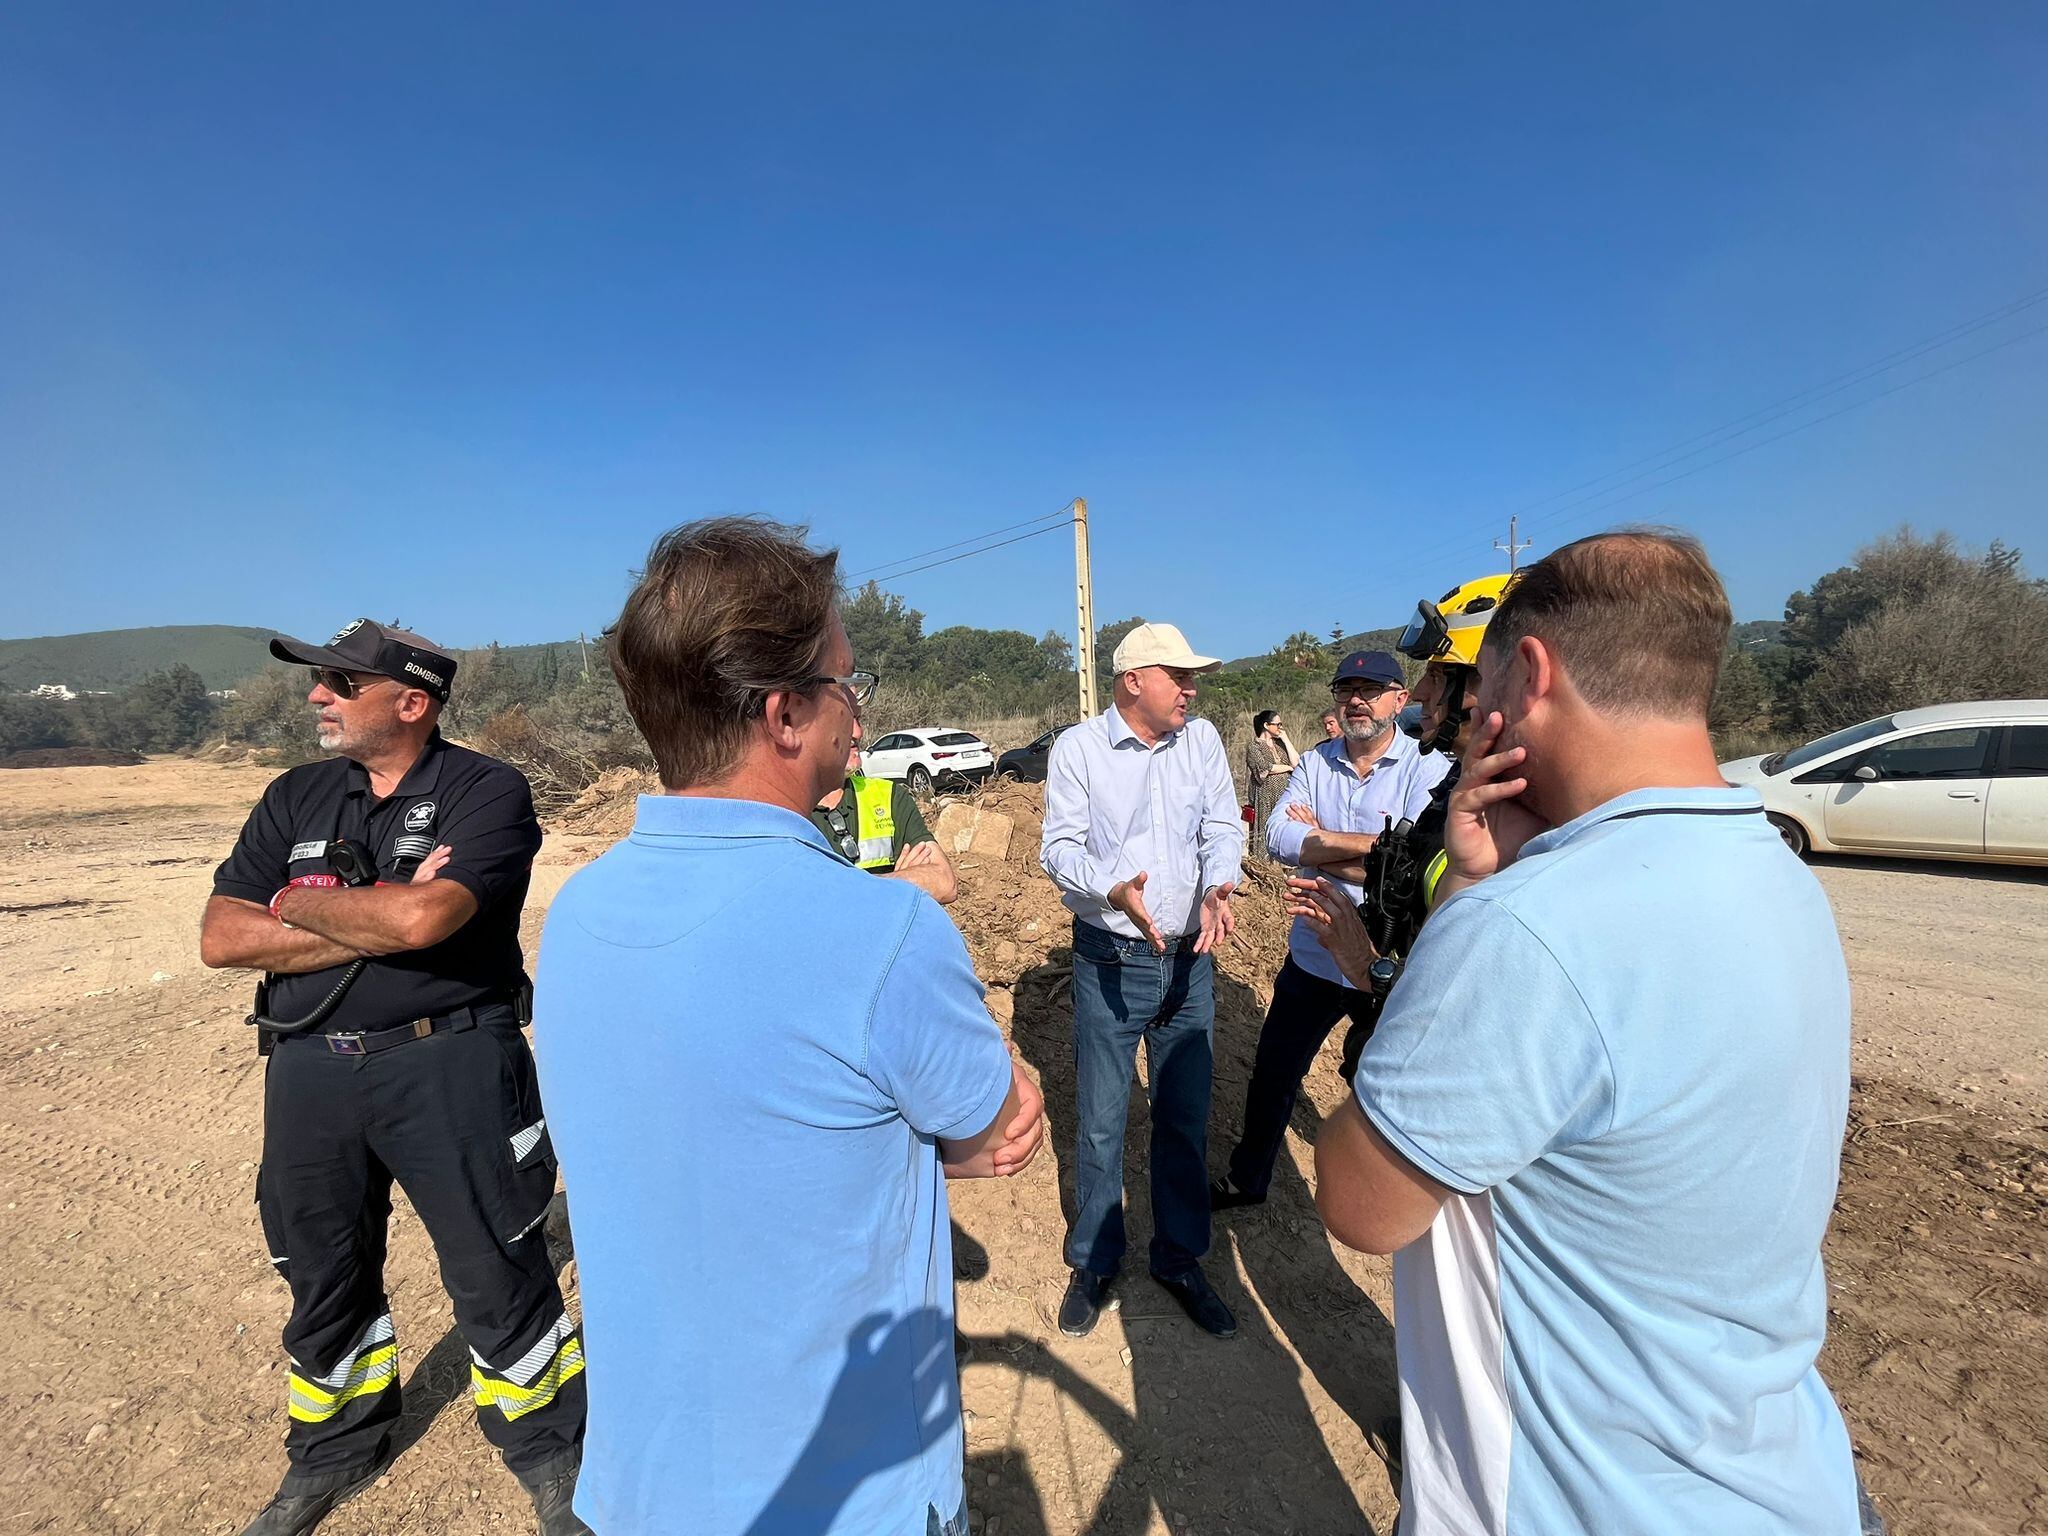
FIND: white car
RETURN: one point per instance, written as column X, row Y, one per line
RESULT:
column 943, row 755
column 1957, row 781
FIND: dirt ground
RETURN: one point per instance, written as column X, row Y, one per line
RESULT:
column 143, row 1387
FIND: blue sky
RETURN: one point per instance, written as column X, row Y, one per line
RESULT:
column 443, row 313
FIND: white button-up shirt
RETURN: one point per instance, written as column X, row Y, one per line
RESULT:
column 1114, row 807
column 1397, row 784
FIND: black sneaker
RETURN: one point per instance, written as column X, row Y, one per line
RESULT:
column 1199, row 1300
column 1225, row 1196
column 297, row 1514
column 1081, row 1307
column 551, row 1497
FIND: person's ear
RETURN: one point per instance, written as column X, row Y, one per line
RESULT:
column 785, row 714
column 413, row 704
column 1537, row 675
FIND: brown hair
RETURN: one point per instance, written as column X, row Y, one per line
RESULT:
column 729, row 610
column 1637, row 618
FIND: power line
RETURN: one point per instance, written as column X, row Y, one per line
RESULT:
column 950, row 559
column 1064, row 512
column 1664, row 458
column 1853, row 405
column 1764, row 415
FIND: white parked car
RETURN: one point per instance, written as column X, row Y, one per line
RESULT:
column 943, row 755
column 1957, row 781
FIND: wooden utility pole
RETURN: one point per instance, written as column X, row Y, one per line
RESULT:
column 1084, row 611
column 1514, row 550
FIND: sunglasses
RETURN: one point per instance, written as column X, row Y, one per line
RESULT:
column 848, row 843
column 344, row 685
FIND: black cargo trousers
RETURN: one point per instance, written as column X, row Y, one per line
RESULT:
column 455, row 1118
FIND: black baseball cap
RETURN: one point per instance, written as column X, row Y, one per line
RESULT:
column 363, row 645
column 1371, row 666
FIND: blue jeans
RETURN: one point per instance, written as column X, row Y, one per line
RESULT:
column 1123, row 992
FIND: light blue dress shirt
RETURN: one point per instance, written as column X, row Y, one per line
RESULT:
column 1324, row 781
column 1114, row 806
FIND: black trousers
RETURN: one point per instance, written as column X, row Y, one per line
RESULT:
column 455, row 1119
column 1303, row 1011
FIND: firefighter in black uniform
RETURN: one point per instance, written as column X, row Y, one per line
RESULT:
column 380, row 890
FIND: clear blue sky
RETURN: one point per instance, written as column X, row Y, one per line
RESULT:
column 442, row 313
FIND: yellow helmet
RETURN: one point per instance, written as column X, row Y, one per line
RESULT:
column 1450, row 629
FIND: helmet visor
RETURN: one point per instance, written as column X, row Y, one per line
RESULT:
column 1427, row 636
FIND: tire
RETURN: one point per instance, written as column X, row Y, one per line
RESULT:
column 1790, row 830
column 919, row 779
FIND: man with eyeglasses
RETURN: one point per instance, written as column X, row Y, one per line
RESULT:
column 876, row 824
column 1333, row 810
column 379, row 891
column 764, row 1068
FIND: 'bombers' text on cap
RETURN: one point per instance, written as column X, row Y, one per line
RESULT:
column 363, row 645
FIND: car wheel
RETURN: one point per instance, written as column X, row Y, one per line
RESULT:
column 1793, row 834
column 919, row 779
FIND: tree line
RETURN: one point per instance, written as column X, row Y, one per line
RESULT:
column 1911, row 620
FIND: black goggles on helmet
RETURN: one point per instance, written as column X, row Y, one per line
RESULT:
column 1427, row 636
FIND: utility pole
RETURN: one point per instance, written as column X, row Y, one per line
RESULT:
column 1084, row 610
column 583, row 645
column 1514, row 550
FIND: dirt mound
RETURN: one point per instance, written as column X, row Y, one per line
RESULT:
column 607, row 807
column 71, row 757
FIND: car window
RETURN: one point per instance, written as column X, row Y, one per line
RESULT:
column 2026, row 752
column 955, row 739
column 1952, row 754
column 1045, row 740
column 890, row 743
column 1799, row 757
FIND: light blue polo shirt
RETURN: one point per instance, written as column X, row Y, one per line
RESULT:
column 748, row 1050
column 1629, row 1054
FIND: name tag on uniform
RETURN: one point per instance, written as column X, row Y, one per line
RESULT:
column 308, row 850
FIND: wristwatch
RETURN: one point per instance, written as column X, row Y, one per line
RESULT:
column 1382, row 973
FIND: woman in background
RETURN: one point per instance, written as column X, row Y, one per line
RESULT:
column 1268, row 760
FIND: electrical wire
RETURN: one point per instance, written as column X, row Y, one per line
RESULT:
column 973, row 539
column 950, row 559
column 1552, row 519
column 1764, row 415
column 1789, row 405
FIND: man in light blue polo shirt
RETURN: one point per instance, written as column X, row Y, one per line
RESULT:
column 1336, row 805
column 761, row 1064
column 1600, row 1123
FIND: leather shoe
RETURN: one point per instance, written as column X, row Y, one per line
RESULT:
column 298, row 1514
column 1081, row 1307
column 1199, row 1300
column 1225, row 1196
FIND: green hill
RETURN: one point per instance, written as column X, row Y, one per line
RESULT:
column 108, row 660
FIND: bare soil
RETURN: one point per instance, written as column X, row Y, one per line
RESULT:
column 142, row 1389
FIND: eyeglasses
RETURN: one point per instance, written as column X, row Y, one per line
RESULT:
column 861, row 685
column 1359, row 688
column 344, row 685
column 848, row 843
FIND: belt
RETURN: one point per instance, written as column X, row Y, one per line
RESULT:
column 364, row 1042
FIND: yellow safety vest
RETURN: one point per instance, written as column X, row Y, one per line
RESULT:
column 875, row 820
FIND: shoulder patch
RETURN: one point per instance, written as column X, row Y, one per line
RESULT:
column 420, row 817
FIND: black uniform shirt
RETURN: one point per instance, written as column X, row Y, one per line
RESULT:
column 479, row 806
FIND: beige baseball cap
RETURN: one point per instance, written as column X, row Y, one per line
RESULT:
column 1158, row 645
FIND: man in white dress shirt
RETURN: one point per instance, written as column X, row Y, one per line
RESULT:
column 1144, row 839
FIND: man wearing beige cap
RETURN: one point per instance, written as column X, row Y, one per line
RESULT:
column 1143, row 837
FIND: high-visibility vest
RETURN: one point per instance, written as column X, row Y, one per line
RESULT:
column 875, row 820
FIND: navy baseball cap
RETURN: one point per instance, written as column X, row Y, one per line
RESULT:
column 1370, row 666
column 363, row 645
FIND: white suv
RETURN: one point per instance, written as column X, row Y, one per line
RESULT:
column 944, row 755
column 1957, row 781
